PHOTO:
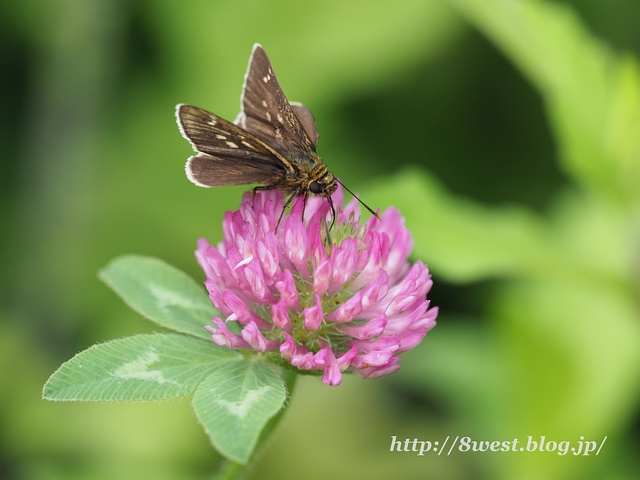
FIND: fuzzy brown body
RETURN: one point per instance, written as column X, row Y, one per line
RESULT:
column 318, row 181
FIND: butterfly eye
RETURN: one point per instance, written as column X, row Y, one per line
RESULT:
column 315, row 187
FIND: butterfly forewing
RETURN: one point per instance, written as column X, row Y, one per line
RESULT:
column 266, row 112
column 209, row 133
column 228, row 155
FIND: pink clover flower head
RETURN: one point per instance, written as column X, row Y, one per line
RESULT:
column 350, row 302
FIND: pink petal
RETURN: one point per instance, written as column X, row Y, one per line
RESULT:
column 367, row 330
column 215, row 295
column 254, row 337
column 344, row 362
column 295, row 239
column 390, row 343
column 309, row 361
column 410, row 339
column 268, row 257
column 220, row 267
column 280, row 315
column 375, row 372
column 375, row 290
column 374, row 260
column 322, row 277
column 223, row 337
column 243, row 314
column 287, row 348
column 288, row 291
column 348, row 310
column 375, row 358
column 314, row 315
column 344, row 259
column 201, row 257
column 332, row 375
column 257, row 283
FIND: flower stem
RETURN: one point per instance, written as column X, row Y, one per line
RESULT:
column 230, row 470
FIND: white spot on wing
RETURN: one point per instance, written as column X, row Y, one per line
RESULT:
column 221, row 137
column 232, row 145
column 264, row 103
column 268, row 116
column 280, row 119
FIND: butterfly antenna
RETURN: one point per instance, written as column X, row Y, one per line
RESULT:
column 356, row 197
column 305, row 197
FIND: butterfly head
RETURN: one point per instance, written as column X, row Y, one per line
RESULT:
column 323, row 186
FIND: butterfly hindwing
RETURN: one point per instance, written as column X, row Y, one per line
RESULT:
column 308, row 122
column 216, row 171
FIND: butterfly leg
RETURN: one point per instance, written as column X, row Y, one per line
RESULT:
column 305, row 197
column 287, row 203
column 264, row 187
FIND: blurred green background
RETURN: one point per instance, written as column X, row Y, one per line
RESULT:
column 507, row 132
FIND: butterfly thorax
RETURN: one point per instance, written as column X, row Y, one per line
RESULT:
column 308, row 175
